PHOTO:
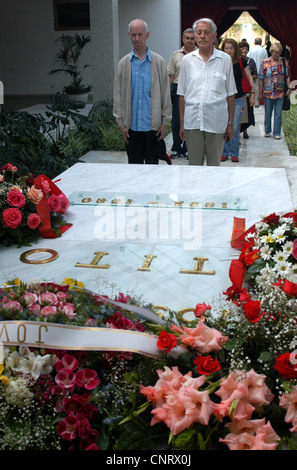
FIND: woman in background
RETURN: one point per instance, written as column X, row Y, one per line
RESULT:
column 244, row 48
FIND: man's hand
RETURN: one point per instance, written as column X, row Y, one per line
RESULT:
column 229, row 133
column 125, row 134
column 161, row 132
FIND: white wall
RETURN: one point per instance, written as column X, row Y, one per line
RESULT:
column 163, row 19
column 27, row 48
column 27, row 39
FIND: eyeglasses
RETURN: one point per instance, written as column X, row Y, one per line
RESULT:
column 189, row 39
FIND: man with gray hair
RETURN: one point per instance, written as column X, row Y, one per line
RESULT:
column 141, row 98
column 179, row 148
column 258, row 53
column 206, row 89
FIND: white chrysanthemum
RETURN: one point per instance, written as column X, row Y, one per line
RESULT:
column 279, row 235
column 288, row 247
column 280, row 256
column 283, row 268
column 265, row 252
column 261, row 226
column 266, row 239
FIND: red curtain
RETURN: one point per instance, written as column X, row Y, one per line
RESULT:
column 192, row 10
column 281, row 18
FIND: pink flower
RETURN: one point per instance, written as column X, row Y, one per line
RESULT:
column 202, row 337
column 87, row 378
column 16, row 198
column 30, row 298
column 177, row 400
column 65, row 378
column 69, row 310
column 48, row 298
column 294, row 250
column 48, row 310
column 54, row 203
column 288, row 401
column 12, row 218
column 64, row 203
column 241, row 392
column 13, row 305
column 201, row 309
column 67, row 427
column 251, row 435
column 67, row 362
column 33, row 221
column 35, row 195
column 35, row 309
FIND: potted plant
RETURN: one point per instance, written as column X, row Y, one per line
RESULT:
column 68, row 56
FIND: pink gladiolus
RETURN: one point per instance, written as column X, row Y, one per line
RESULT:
column 241, row 392
column 177, row 401
column 87, row 378
column 251, row 435
column 288, row 401
column 202, row 337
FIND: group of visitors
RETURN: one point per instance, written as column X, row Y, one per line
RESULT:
column 200, row 92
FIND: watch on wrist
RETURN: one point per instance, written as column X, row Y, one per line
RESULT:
column 231, row 123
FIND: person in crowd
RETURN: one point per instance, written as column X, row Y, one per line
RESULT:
column 258, row 53
column 141, row 98
column 231, row 147
column 268, row 45
column 206, row 89
column 244, row 48
column 179, row 147
column 273, row 74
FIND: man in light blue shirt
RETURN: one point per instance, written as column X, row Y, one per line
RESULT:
column 142, row 103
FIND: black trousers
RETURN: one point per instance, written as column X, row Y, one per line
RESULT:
column 142, row 148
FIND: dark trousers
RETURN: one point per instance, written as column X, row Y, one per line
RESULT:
column 142, row 148
column 178, row 146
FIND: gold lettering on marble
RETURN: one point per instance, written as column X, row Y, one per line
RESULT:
column 101, row 200
column 39, row 333
column 209, row 204
column 224, row 205
column 179, row 203
column 86, row 200
column 198, row 268
column 194, row 204
column 115, row 201
column 24, row 334
column 94, row 263
column 180, row 315
column 147, row 263
column 6, row 332
column 153, row 202
column 24, row 256
column 129, row 201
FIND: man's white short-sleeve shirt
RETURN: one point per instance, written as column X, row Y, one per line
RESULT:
column 205, row 87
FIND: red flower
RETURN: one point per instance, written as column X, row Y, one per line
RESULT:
column 206, row 365
column 16, row 198
column 87, row 378
column 33, row 221
column 54, row 203
column 252, row 310
column 201, row 309
column 290, row 288
column 166, row 341
column 285, row 367
column 272, row 219
column 251, row 257
column 12, row 218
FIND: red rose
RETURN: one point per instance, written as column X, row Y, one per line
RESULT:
column 252, row 310
column 54, row 203
column 166, row 341
column 16, row 198
column 200, row 309
column 285, row 367
column 12, row 218
column 272, row 219
column 206, row 365
column 33, row 221
column 289, row 288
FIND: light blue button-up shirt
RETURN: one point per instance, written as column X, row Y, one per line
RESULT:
column 141, row 78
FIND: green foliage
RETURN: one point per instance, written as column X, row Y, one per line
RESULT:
column 289, row 128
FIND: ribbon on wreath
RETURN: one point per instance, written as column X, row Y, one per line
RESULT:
column 48, row 188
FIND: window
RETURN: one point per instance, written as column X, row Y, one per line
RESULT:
column 71, row 15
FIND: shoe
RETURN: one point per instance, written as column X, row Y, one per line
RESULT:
column 267, row 135
column 234, row 159
column 245, row 135
column 166, row 158
column 174, row 155
column 186, row 156
column 224, row 158
column 277, row 137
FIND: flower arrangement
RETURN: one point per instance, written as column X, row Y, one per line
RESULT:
column 30, row 207
column 234, row 386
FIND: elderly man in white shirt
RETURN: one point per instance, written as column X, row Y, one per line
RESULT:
column 206, row 90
